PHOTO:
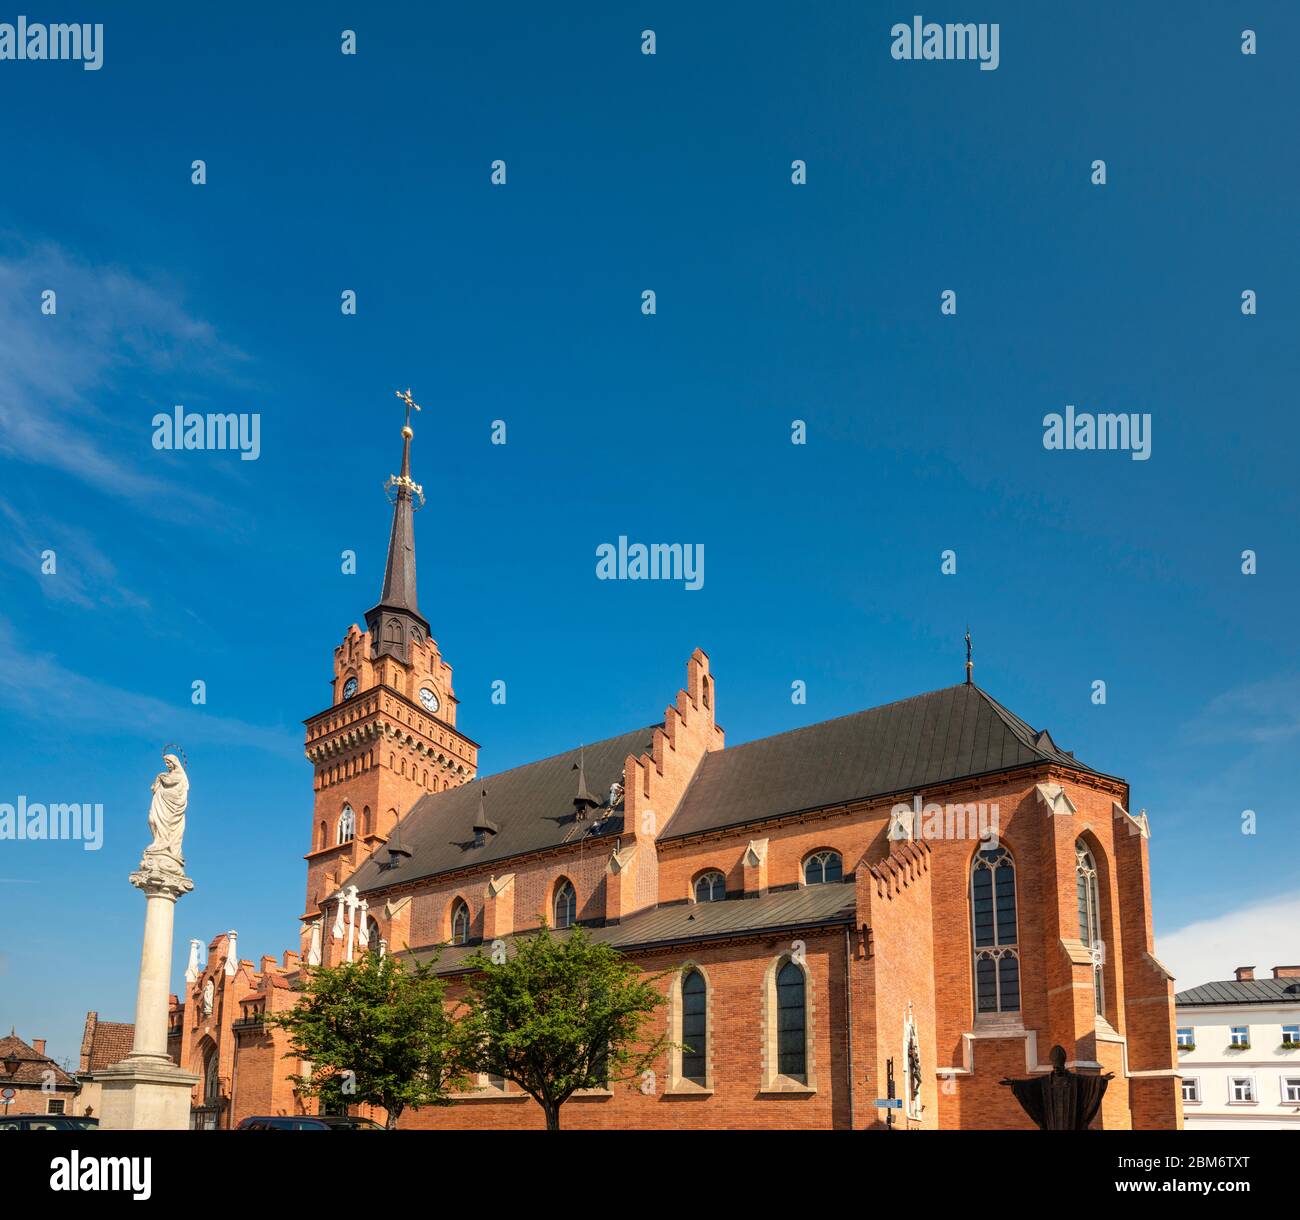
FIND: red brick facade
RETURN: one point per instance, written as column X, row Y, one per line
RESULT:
column 888, row 972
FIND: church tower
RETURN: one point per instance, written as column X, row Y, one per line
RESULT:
column 389, row 735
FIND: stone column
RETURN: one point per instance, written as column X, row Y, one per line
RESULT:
column 146, row 1091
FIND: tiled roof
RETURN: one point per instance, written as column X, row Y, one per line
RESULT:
column 31, row 1066
column 689, row 923
column 532, row 805
column 1247, row 991
column 112, row 1042
column 948, row 734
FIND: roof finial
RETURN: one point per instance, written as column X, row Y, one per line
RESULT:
column 483, row 825
column 583, row 800
column 970, row 665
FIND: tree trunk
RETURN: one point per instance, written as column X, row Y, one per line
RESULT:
column 394, row 1113
column 552, row 1115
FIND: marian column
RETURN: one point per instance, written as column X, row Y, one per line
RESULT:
column 146, row 1090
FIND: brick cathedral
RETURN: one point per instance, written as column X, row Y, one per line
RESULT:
column 912, row 902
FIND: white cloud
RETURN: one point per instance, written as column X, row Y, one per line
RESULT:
column 45, row 691
column 1263, row 935
column 84, row 575
column 59, row 373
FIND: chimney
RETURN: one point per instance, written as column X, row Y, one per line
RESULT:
column 38, row 1045
column 1245, row 974
column 1286, row 972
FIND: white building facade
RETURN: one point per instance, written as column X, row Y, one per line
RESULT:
column 1239, row 1052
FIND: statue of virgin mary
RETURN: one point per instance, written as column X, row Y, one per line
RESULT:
column 167, row 817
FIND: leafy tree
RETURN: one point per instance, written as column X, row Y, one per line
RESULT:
column 560, row 1014
column 377, row 1033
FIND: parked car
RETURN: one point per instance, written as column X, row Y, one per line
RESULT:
column 307, row 1122
column 48, row 1122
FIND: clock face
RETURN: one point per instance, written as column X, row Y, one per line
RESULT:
column 349, row 688
column 429, row 699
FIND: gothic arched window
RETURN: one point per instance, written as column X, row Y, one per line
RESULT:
column 823, row 866
column 993, row 931
column 347, row 825
column 459, row 922
column 695, row 1000
column 1085, row 885
column 791, row 1022
column 566, row 905
column 710, row 887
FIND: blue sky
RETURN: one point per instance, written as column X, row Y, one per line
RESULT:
column 522, row 303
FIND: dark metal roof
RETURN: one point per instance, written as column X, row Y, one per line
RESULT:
column 532, row 807
column 1248, row 991
column 691, row 922
column 930, row 739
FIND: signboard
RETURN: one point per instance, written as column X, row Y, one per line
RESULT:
column 888, row 1103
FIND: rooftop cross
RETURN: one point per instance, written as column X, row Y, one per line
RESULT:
column 410, row 403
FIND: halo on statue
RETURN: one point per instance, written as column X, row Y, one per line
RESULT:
column 174, row 748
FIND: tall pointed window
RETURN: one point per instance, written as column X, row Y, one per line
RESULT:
column 566, row 905
column 791, row 1022
column 347, row 825
column 993, row 931
column 694, row 1028
column 459, row 923
column 1085, row 884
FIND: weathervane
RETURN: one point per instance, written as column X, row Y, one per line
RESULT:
column 970, row 665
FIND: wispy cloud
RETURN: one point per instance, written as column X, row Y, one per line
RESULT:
column 59, row 373
column 1262, row 935
column 45, row 691
column 84, row 575
column 1259, row 713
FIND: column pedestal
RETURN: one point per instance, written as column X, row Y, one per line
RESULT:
column 146, row 1091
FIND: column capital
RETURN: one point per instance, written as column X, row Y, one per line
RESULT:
column 161, row 883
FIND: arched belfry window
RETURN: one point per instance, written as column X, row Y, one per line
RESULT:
column 459, row 923
column 993, row 931
column 347, row 825
column 823, row 866
column 710, row 887
column 1085, row 885
column 566, row 905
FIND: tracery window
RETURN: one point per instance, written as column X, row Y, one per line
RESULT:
column 993, row 931
column 710, row 887
column 822, row 867
column 566, row 905
column 1085, row 877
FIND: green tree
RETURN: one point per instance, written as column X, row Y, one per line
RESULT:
column 558, row 1015
column 378, row 1033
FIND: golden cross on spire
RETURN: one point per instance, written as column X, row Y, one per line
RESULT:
column 409, row 401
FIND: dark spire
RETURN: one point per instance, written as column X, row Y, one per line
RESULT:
column 970, row 665
column 583, row 802
column 396, row 619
